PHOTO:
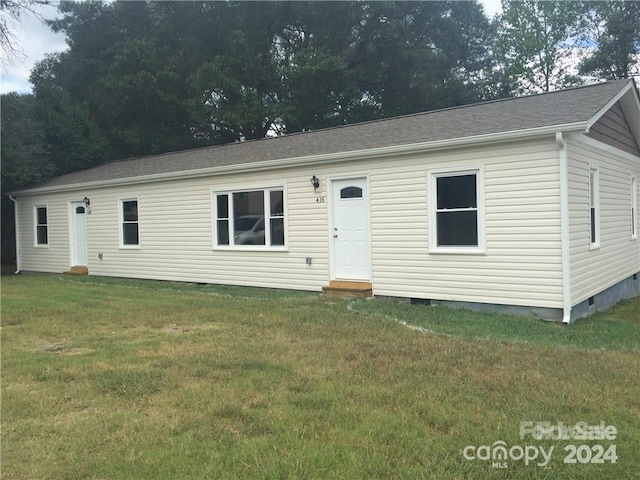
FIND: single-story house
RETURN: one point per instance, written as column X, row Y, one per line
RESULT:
column 527, row 204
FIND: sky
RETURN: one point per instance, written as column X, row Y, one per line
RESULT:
column 36, row 40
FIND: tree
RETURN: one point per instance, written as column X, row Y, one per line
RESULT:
column 11, row 12
column 417, row 56
column 23, row 158
column 614, row 28
column 150, row 77
column 535, row 42
column 72, row 140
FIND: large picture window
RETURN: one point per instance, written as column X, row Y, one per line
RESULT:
column 41, row 226
column 456, row 211
column 129, row 223
column 250, row 218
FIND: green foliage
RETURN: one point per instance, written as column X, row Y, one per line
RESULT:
column 158, row 76
column 23, row 157
column 23, row 154
column 534, row 41
column 615, row 28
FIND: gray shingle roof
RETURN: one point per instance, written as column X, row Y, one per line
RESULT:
column 501, row 116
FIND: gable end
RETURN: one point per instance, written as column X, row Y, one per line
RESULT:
column 613, row 129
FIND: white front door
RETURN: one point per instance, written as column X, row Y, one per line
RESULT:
column 78, row 234
column 350, row 230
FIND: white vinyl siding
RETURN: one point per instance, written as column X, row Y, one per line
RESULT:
column 618, row 256
column 522, row 260
column 176, row 231
column 55, row 257
column 521, row 264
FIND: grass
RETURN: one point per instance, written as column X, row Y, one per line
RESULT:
column 122, row 379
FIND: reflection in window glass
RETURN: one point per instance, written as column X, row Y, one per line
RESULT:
column 276, row 221
column 277, row 203
column 248, row 210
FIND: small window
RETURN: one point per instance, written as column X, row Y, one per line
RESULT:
column 456, row 210
column 351, row 192
column 80, row 210
column 42, row 226
column 634, row 208
column 130, row 234
column 250, row 218
column 594, row 214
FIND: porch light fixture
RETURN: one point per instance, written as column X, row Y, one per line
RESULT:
column 315, row 181
column 87, row 202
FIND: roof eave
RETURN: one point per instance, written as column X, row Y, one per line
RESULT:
column 320, row 159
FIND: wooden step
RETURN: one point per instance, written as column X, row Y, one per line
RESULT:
column 348, row 289
column 78, row 270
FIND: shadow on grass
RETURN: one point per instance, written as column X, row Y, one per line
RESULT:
column 616, row 329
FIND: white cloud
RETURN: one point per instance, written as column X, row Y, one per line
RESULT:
column 35, row 39
column 491, row 7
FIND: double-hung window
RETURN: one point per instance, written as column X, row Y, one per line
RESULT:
column 634, row 208
column 129, row 223
column 456, row 212
column 41, row 226
column 249, row 218
column 594, row 208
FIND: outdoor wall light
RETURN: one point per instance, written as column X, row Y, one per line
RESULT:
column 315, row 181
column 87, row 202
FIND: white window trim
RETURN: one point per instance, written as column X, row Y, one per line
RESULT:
column 634, row 208
column 596, row 205
column 433, row 175
column 267, row 208
column 35, row 226
column 121, row 222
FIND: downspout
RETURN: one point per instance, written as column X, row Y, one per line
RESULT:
column 564, row 228
column 17, row 227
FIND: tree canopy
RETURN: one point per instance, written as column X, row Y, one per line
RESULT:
column 149, row 77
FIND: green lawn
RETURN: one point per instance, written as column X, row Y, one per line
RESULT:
column 121, row 379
